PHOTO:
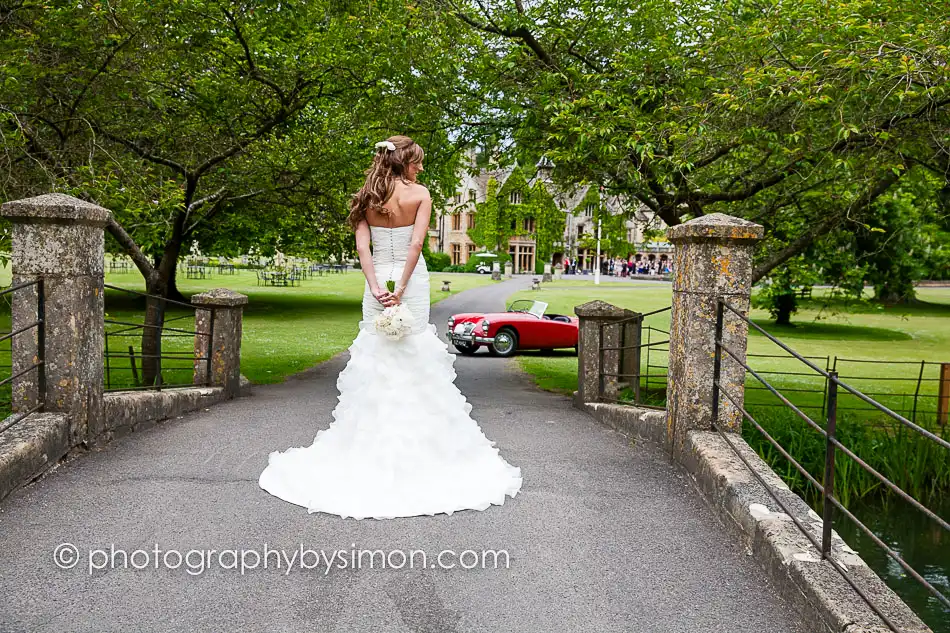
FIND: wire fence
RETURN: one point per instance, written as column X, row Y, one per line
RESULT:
column 9, row 371
column 831, row 505
column 149, row 356
column 917, row 389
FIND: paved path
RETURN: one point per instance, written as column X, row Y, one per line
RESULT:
column 605, row 535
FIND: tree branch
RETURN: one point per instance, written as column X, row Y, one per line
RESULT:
column 803, row 241
column 131, row 249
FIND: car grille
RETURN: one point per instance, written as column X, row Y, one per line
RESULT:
column 464, row 328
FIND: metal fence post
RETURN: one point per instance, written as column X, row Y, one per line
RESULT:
column 40, row 343
column 828, row 483
column 600, row 362
column 920, row 378
column 717, row 363
column 943, row 397
column 824, row 392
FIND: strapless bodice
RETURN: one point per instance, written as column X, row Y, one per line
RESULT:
column 390, row 250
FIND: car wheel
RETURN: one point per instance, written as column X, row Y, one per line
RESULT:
column 505, row 343
column 466, row 348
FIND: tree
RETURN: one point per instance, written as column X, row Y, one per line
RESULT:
column 790, row 114
column 221, row 123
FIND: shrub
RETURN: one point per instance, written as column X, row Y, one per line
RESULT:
column 437, row 261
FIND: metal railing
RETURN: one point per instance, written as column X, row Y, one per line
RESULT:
column 629, row 360
column 39, row 366
column 912, row 405
column 830, row 504
column 152, row 365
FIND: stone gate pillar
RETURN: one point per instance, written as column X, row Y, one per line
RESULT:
column 713, row 261
column 591, row 316
column 219, row 316
column 60, row 239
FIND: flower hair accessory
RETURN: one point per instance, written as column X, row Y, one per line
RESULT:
column 387, row 144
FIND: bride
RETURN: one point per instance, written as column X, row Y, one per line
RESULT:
column 402, row 442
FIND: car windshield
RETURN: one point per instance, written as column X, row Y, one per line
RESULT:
column 529, row 306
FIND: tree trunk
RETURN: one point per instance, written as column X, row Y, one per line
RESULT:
column 161, row 285
column 173, row 292
column 785, row 305
column 152, row 334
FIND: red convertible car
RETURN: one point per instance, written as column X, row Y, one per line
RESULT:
column 524, row 325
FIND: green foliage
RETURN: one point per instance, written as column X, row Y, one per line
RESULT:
column 917, row 465
column 779, row 293
column 798, row 116
column 902, row 239
column 438, row 261
column 225, row 124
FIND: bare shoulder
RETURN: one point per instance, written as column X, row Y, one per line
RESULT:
column 419, row 192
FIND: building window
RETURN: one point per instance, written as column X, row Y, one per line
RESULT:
column 471, row 195
column 456, row 254
column 529, row 225
column 471, row 221
column 589, row 210
column 515, row 197
column 469, row 249
column 526, row 259
column 458, row 198
column 456, row 221
column 580, row 229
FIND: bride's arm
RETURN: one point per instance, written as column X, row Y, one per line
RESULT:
column 363, row 238
column 419, row 231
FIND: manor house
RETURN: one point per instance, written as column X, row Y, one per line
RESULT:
column 451, row 224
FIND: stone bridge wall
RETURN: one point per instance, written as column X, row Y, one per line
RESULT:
column 714, row 261
column 60, row 239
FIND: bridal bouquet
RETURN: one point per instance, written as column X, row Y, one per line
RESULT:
column 395, row 321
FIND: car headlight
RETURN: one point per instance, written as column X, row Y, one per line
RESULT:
column 451, row 322
column 485, row 324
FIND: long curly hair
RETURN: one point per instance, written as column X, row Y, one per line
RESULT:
column 388, row 165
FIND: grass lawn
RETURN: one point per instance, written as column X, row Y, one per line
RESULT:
column 895, row 338
column 286, row 330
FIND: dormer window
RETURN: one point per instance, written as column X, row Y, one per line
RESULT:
column 589, row 210
column 471, row 195
column 515, row 197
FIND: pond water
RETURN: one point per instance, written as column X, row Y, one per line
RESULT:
column 917, row 539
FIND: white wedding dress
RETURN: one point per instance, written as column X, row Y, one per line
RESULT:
column 402, row 442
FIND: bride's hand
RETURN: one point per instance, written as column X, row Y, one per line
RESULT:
column 383, row 296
